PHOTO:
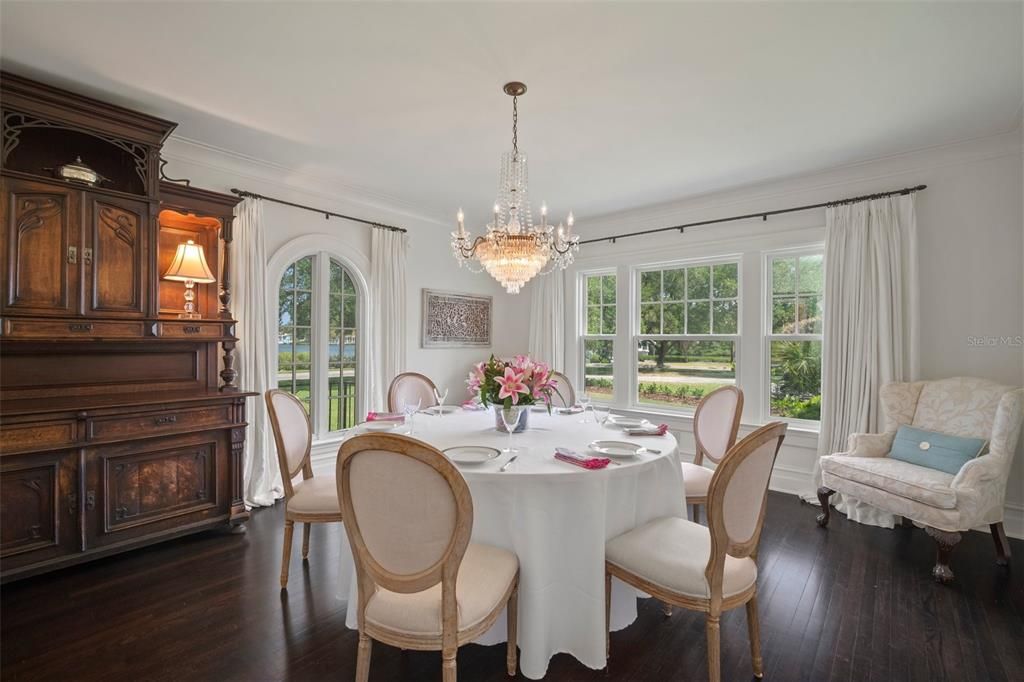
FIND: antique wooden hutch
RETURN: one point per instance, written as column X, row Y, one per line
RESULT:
column 120, row 423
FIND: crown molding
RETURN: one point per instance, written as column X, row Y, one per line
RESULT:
column 322, row 187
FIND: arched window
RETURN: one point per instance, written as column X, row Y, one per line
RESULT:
column 318, row 340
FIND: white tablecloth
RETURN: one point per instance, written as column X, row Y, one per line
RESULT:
column 556, row 518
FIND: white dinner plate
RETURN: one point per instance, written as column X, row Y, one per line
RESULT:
column 441, row 409
column 626, row 422
column 471, row 454
column 381, row 425
column 615, row 448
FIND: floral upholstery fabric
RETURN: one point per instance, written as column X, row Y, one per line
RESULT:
column 961, row 406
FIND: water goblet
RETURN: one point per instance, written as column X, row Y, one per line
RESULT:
column 441, row 395
column 584, row 401
column 510, row 418
column 601, row 413
column 410, row 409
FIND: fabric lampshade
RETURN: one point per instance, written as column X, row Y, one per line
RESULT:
column 189, row 264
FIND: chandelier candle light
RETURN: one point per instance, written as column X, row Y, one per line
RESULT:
column 514, row 251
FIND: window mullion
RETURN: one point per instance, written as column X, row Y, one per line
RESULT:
column 320, row 321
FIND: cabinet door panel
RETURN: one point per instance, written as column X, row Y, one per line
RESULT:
column 146, row 487
column 117, row 268
column 42, row 235
column 38, row 507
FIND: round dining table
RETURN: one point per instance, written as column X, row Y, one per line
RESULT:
column 556, row 517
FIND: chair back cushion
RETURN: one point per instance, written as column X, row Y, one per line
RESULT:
column 563, row 395
column 739, row 486
column 716, row 421
column 292, row 431
column 407, row 508
column 961, row 406
column 935, row 450
column 408, row 388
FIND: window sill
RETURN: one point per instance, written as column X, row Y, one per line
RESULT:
column 798, row 434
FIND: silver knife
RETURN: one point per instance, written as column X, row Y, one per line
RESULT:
column 505, row 466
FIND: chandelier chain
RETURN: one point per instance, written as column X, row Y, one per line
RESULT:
column 515, row 126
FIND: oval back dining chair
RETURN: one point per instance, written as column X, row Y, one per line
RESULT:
column 715, row 425
column 407, row 388
column 563, row 395
column 422, row 584
column 311, row 499
column 709, row 569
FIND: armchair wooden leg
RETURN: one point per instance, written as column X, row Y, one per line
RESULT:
column 666, row 609
column 945, row 542
column 711, row 626
column 754, row 631
column 512, row 654
column 1002, row 544
column 286, row 552
column 305, row 540
column 823, row 495
column 363, row 658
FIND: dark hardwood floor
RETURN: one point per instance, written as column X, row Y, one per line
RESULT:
column 849, row 603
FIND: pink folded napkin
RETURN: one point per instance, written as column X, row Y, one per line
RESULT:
column 585, row 462
column 384, row 417
column 659, row 430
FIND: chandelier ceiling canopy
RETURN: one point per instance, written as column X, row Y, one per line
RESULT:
column 513, row 250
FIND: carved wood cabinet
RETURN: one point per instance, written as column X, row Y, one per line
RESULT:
column 120, row 423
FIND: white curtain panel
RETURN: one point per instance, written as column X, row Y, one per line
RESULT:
column 386, row 352
column 871, row 323
column 262, row 476
column 547, row 319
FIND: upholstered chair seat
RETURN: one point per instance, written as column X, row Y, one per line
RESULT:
column 672, row 553
column 696, row 479
column 707, row 569
column 318, row 495
column 945, row 504
column 486, row 577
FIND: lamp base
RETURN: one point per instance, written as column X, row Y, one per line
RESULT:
column 189, row 316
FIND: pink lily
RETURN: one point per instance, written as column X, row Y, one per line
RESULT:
column 511, row 385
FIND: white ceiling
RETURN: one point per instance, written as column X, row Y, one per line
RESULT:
column 629, row 104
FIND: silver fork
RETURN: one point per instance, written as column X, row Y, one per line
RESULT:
column 505, row 466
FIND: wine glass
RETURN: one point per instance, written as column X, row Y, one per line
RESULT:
column 584, row 400
column 510, row 418
column 410, row 409
column 601, row 413
column 441, row 395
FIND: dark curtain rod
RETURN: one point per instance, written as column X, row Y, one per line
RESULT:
column 763, row 215
column 326, row 214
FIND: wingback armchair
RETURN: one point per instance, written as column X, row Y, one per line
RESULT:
column 944, row 504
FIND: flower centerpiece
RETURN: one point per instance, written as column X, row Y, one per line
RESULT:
column 519, row 382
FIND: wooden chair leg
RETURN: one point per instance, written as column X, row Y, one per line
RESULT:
column 823, row 495
column 666, row 609
column 512, row 654
column 607, row 615
column 1002, row 544
column 754, row 631
column 363, row 658
column 286, row 552
column 711, row 625
column 448, row 665
column 945, row 542
column 305, row 540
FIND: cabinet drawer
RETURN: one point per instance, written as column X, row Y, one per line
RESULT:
column 36, row 436
column 142, row 425
column 191, row 330
column 68, row 329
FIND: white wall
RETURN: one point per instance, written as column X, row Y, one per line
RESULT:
column 971, row 233
column 430, row 263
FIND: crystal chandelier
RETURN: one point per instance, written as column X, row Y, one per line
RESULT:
column 514, row 251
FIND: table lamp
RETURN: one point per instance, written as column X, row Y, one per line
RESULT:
column 189, row 266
